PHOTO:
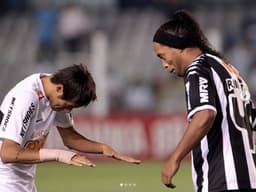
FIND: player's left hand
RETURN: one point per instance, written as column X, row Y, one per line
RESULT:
column 110, row 152
column 80, row 160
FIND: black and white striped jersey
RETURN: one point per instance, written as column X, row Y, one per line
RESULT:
column 225, row 158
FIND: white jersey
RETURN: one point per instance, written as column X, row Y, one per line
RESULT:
column 26, row 117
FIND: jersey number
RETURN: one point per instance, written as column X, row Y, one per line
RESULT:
column 240, row 112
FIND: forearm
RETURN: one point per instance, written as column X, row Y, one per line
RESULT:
column 58, row 155
column 85, row 145
column 196, row 130
column 13, row 153
column 76, row 141
column 26, row 157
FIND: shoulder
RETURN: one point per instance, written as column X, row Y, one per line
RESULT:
column 24, row 91
column 19, row 100
column 199, row 67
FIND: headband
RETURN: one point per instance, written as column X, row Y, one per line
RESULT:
column 170, row 40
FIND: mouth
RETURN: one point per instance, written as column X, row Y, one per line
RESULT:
column 57, row 109
column 172, row 71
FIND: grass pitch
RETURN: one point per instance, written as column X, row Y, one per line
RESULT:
column 113, row 176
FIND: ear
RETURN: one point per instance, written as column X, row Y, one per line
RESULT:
column 59, row 89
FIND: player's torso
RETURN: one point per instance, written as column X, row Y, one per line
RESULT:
column 36, row 127
column 26, row 119
column 219, row 85
column 225, row 157
column 32, row 110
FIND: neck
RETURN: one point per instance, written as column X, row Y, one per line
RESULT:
column 190, row 55
column 46, row 84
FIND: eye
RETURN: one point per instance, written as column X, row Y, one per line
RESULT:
column 160, row 56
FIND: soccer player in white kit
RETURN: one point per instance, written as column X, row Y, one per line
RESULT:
column 28, row 112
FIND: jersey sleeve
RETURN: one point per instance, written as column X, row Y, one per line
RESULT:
column 17, row 111
column 200, row 91
column 63, row 120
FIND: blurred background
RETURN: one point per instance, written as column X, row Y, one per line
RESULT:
column 114, row 38
column 140, row 108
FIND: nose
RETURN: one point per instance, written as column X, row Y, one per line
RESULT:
column 164, row 64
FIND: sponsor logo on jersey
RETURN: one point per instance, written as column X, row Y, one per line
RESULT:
column 37, row 141
column 231, row 84
column 239, row 88
column 9, row 113
column 203, row 92
column 26, row 119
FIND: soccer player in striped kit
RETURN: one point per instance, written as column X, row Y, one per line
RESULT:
column 220, row 112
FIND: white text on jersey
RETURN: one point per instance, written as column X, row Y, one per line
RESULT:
column 203, row 85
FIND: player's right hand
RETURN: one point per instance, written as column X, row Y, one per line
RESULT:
column 169, row 169
column 80, row 160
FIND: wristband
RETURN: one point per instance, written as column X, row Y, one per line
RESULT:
column 59, row 155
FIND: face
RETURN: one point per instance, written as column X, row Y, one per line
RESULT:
column 59, row 104
column 170, row 58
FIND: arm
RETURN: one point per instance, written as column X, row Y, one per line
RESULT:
column 73, row 140
column 12, row 152
column 196, row 130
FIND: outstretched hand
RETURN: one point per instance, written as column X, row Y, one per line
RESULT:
column 80, row 160
column 110, row 152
